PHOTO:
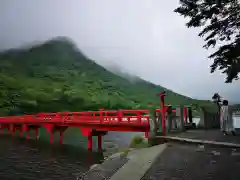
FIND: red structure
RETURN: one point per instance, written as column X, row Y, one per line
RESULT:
column 164, row 109
column 185, row 114
column 91, row 123
column 94, row 123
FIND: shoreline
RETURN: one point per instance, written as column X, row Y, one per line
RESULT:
column 122, row 165
column 106, row 168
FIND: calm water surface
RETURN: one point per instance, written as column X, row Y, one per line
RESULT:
column 32, row 159
column 21, row 159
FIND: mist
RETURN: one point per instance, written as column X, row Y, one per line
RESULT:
column 143, row 38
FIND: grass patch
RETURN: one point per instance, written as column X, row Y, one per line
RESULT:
column 124, row 151
column 139, row 142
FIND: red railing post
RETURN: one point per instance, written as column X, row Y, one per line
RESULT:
column 90, row 142
column 139, row 120
column 101, row 115
column 120, row 116
column 148, row 121
column 74, row 116
column 57, row 117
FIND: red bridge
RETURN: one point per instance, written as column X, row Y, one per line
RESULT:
column 94, row 123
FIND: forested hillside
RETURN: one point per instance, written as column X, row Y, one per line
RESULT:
column 56, row 76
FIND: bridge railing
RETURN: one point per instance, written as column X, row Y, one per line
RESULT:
column 102, row 116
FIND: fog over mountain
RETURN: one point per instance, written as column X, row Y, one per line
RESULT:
column 144, row 38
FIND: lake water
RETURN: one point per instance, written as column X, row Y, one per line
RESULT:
column 37, row 159
column 32, row 160
column 21, row 159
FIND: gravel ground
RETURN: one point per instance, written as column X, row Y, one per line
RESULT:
column 192, row 162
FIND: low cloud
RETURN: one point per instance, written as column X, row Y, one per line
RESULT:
column 143, row 37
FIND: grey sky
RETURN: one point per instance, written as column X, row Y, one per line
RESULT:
column 144, row 37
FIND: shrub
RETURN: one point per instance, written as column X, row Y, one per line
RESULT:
column 138, row 142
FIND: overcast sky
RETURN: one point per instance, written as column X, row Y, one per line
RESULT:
column 145, row 37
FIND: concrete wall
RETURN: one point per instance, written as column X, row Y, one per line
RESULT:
column 208, row 120
column 175, row 122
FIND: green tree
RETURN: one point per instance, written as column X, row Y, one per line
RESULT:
column 220, row 23
column 216, row 99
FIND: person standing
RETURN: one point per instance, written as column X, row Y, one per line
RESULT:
column 226, row 120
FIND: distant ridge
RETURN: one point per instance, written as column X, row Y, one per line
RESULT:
column 56, row 76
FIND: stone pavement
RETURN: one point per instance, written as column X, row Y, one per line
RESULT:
column 140, row 161
column 105, row 170
column 124, row 166
column 195, row 162
column 206, row 154
column 210, row 135
column 174, row 161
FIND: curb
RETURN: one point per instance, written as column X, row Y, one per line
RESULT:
column 197, row 141
column 140, row 161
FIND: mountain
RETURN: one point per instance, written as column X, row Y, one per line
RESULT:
column 56, row 76
column 115, row 69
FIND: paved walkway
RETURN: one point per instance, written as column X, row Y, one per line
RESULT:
column 194, row 162
column 120, row 166
column 175, row 161
column 210, row 135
